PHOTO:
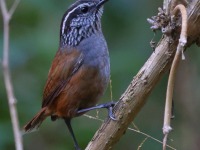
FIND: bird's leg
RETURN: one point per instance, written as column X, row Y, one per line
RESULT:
column 68, row 123
column 108, row 105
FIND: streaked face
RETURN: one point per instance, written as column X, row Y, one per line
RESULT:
column 81, row 20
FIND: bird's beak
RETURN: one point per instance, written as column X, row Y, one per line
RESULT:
column 101, row 3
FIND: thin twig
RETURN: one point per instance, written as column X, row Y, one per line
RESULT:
column 150, row 137
column 14, row 6
column 134, row 130
column 7, row 15
column 170, row 88
column 142, row 143
column 111, row 93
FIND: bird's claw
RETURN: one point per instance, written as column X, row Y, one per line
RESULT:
column 110, row 106
column 110, row 113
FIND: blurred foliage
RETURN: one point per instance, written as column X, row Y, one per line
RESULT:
column 33, row 43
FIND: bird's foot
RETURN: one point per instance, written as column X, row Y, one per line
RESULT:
column 108, row 105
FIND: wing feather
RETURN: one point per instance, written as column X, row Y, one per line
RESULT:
column 64, row 66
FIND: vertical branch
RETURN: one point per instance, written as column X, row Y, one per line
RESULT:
column 170, row 87
column 7, row 15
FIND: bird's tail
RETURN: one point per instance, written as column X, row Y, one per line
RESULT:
column 36, row 121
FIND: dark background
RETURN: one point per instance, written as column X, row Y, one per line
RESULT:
column 34, row 41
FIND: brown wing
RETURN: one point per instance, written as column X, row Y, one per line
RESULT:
column 64, row 65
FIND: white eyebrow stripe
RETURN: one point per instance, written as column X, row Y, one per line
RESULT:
column 63, row 26
column 69, row 13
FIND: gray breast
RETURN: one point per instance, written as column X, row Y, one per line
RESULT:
column 96, row 54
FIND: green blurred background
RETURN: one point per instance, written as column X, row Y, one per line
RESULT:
column 34, row 41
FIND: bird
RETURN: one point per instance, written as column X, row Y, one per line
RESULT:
column 80, row 70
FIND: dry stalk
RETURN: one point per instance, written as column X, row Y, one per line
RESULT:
column 7, row 15
column 170, row 87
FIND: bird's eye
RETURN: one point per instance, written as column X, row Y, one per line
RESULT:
column 84, row 9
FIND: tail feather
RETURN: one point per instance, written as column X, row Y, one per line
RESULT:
column 36, row 121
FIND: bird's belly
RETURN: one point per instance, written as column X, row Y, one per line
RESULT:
column 82, row 91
